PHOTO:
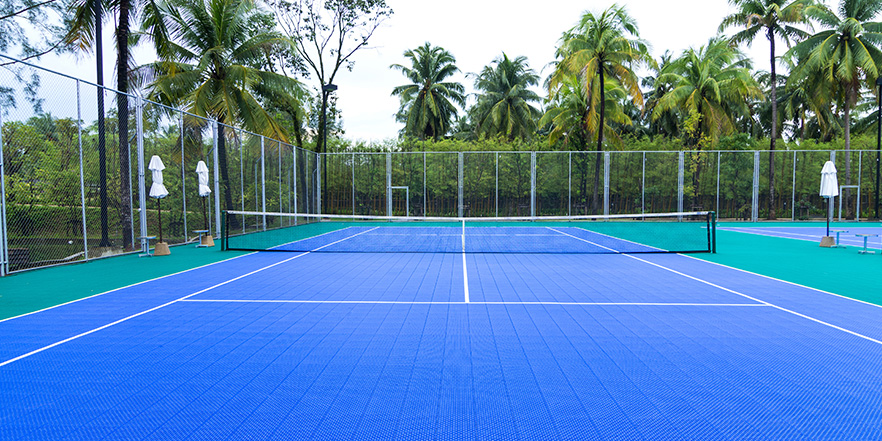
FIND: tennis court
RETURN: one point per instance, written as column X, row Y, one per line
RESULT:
column 558, row 330
column 814, row 233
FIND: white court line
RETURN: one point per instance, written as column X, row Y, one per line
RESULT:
column 585, row 240
column 37, row 351
column 786, row 235
column 310, row 237
column 781, row 308
column 127, row 286
column 465, row 272
column 399, row 302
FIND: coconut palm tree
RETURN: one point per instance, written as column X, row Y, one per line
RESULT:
column 846, row 54
column 211, row 53
column 713, row 82
column 428, row 102
column 600, row 47
column 774, row 18
column 85, row 33
column 503, row 106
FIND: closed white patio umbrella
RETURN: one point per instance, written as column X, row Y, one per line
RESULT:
column 829, row 190
column 204, row 192
column 158, row 192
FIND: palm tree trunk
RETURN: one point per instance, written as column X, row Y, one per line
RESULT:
column 102, row 146
column 122, row 104
column 771, row 37
column 594, row 201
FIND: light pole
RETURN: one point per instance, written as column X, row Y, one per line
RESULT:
column 878, row 143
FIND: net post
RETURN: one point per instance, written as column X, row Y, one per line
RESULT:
column 712, row 231
column 224, row 230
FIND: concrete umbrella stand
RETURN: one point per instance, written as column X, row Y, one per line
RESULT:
column 204, row 192
column 829, row 190
column 158, row 192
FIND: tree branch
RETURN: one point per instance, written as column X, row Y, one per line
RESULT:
column 22, row 11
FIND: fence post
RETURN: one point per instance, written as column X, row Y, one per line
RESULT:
column 388, row 184
column 717, row 211
column 183, row 174
column 681, row 166
column 294, row 164
column 142, row 193
column 532, row 184
column 459, row 185
column 82, row 182
column 569, row 182
column 606, row 183
column 425, row 190
column 280, row 180
column 318, row 183
column 4, row 244
column 263, row 179
column 496, row 186
column 754, row 209
column 793, row 191
column 643, row 186
column 216, row 166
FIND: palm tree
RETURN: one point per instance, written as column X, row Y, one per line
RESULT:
column 210, row 56
column 601, row 47
column 427, row 103
column 711, row 87
column 773, row 18
column 84, row 33
column 713, row 82
column 847, row 56
column 503, row 106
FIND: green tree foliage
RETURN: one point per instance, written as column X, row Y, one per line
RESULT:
column 713, row 81
column 428, row 102
column 504, row 99
column 210, row 55
column 846, row 54
column 774, row 18
column 326, row 34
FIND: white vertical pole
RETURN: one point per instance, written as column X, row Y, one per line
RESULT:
column 318, row 183
column 459, row 185
column 718, row 185
column 754, row 210
column 425, row 190
column 280, row 177
column 857, row 214
column 82, row 183
column 606, row 161
column 263, row 180
column 216, row 167
column 569, row 182
column 532, row 184
column 4, row 244
column 183, row 173
column 142, row 192
column 793, row 191
column 681, row 166
column 353, row 184
column 388, row 184
column 294, row 150
column 497, row 184
column 643, row 185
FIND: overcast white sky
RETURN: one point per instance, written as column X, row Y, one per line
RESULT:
column 475, row 32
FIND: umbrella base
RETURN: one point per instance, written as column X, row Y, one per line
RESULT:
column 161, row 249
column 828, row 242
column 207, row 241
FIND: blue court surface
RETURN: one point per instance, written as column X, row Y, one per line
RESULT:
column 815, row 233
column 496, row 346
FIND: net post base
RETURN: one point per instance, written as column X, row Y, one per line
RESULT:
column 827, row 242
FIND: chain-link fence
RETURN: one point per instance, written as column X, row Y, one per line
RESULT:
column 735, row 184
column 74, row 184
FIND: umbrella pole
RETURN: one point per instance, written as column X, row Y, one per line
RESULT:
column 159, row 207
column 204, row 214
column 828, row 216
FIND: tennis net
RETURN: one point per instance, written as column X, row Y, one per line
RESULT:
column 691, row 232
